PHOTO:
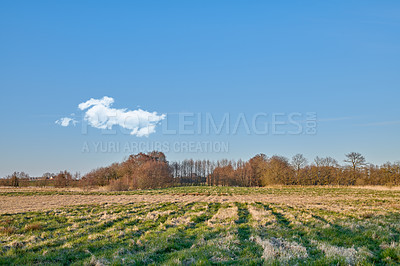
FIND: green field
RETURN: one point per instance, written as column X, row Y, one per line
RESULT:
column 358, row 227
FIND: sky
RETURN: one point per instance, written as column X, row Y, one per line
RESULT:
column 321, row 76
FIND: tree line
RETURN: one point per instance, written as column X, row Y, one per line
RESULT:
column 152, row 170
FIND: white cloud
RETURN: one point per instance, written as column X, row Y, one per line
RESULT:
column 105, row 101
column 66, row 121
column 100, row 114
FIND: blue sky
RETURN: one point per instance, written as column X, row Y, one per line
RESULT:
column 339, row 59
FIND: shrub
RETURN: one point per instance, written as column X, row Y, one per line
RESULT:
column 63, row 179
column 118, row 185
column 14, row 181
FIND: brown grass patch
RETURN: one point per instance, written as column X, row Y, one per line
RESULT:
column 340, row 201
column 33, row 227
column 8, row 230
column 224, row 216
column 260, row 216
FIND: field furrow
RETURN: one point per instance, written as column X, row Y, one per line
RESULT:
column 212, row 230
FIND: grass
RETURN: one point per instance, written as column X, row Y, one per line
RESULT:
column 360, row 228
column 215, row 191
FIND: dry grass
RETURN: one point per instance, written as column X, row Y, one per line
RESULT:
column 280, row 249
column 350, row 202
column 7, row 230
column 260, row 216
column 224, row 217
column 289, row 227
column 33, row 227
column 351, row 256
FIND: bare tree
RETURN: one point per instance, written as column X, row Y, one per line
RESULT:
column 325, row 162
column 355, row 159
column 299, row 161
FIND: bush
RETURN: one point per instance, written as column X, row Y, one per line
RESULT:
column 63, row 179
column 118, row 185
column 14, row 181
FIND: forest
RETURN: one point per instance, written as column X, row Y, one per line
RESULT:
column 152, row 170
